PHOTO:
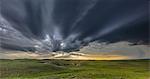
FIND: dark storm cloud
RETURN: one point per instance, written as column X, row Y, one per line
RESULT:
column 67, row 24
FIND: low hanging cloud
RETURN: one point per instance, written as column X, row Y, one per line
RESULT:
column 93, row 51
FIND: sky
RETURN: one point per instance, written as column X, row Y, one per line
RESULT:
column 69, row 25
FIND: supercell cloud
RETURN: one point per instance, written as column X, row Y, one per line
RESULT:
column 67, row 25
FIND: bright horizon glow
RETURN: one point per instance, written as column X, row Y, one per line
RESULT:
column 27, row 55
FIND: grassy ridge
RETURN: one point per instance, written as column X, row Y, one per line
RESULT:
column 73, row 69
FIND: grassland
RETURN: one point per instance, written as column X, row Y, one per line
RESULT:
column 74, row 69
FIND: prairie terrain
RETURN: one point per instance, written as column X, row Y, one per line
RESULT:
column 73, row 69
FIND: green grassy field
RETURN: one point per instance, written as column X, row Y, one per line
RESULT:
column 74, row 69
